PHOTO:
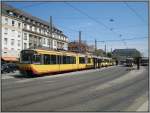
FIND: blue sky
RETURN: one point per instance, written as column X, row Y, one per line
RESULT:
column 89, row 17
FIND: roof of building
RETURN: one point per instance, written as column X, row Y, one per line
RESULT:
column 126, row 52
column 6, row 7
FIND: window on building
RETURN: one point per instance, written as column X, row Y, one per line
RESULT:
column 48, row 42
column 5, row 41
column 25, row 45
column 44, row 31
column 33, row 22
column 6, row 31
column 19, row 34
column 35, row 29
column 6, row 20
column 13, row 23
column 28, row 19
column 55, row 43
column 25, row 36
column 40, row 30
column 19, row 25
column 13, row 31
column 44, row 41
column 23, row 18
column 25, row 26
column 31, row 28
column 53, row 35
column 12, row 42
column 19, row 43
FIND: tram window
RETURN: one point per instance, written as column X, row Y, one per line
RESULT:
column 81, row 60
column 36, row 59
column 25, row 59
column 46, row 59
column 71, row 60
column 89, row 60
column 53, row 59
column 64, row 59
column 68, row 60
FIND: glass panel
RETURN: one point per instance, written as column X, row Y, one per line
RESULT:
column 26, row 56
column 47, row 59
column 81, row 60
column 53, row 59
column 36, row 59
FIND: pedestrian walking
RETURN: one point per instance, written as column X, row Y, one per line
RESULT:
column 138, row 63
column 116, row 62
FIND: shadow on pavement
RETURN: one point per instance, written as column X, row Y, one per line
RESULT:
column 23, row 76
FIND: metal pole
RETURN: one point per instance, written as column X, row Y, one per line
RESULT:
column 95, row 45
column 50, row 28
column 79, row 36
column 79, row 49
column 105, row 50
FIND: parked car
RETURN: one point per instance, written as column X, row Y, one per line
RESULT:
column 4, row 68
column 13, row 66
column 8, row 67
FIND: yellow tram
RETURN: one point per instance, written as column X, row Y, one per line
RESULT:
column 38, row 61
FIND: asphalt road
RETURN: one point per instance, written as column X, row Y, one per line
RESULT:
column 109, row 89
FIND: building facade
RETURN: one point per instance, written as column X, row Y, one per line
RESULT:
column 122, row 54
column 21, row 30
column 75, row 46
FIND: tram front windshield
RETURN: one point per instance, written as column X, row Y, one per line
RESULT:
column 30, row 57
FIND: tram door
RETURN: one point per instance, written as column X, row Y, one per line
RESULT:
column 98, row 63
column 86, row 61
column 95, row 62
